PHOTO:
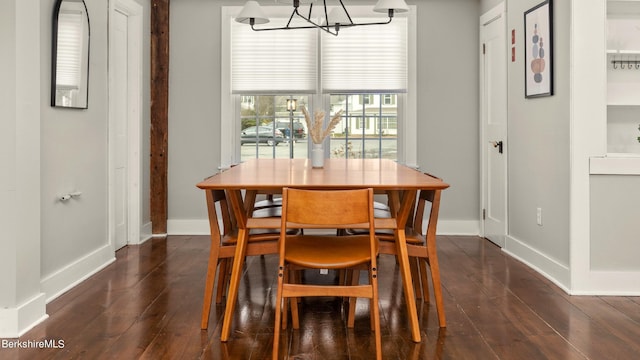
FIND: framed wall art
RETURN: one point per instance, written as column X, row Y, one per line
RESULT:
column 538, row 44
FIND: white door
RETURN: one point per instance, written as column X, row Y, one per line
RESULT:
column 493, row 108
column 119, row 125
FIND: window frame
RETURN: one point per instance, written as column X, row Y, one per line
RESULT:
column 230, row 103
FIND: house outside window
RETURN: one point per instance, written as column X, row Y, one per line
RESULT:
column 368, row 129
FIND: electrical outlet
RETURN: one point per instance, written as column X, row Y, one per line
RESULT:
column 539, row 216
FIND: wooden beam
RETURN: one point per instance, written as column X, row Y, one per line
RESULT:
column 159, row 114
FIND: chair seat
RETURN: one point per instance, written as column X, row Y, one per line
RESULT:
column 380, row 206
column 411, row 236
column 256, row 235
column 336, row 252
column 267, row 212
column 267, row 203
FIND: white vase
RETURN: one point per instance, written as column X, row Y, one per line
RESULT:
column 317, row 156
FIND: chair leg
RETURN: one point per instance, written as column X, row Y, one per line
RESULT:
column 413, row 263
column 344, row 278
column 437, row 287
column 351, row 317
column 278, row 309
column 298, row 280
column 222, row 280
column 422, row 263
column 373, row 280
column 285, row 302
column 212, row 267
column 295, row 319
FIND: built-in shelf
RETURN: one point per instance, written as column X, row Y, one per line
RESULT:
column 623, row 79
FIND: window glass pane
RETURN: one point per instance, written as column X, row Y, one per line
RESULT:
column 369, row 126
column 265, row 130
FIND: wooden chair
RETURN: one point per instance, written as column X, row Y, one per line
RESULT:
column 421, row 247
column 333, row 209
column 223, row 247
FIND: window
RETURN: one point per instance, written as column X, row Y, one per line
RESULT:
column 368, row 130
column 265, row 127
column 377, row 98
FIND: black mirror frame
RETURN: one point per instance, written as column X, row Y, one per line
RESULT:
column 54, row 53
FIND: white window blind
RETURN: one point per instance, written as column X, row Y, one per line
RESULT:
column 69, row 49
column 273, row 61
column 369, row 59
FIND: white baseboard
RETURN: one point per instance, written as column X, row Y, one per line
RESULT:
column 458, row 227
column 146, row 232
column 56, row 284
column 188, row 227
column 14, row 322
column 556, row 272
column 609, row 283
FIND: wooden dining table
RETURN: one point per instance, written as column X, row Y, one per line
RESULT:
column 399, row 182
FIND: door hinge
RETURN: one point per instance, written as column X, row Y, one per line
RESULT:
column 483, row 49
column 484, row 214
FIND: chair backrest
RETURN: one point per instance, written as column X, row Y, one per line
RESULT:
column 222, row 217
column 433, row 197
column 329, row 209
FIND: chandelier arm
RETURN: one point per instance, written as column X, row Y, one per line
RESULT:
column 290, row 18
column 364, row 24
column 345, row 11
column 325, row 29
column 311, row 9
column 326, row 18
column 314, row 26
column 282, row 28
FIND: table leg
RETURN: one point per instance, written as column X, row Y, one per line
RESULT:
column 403, row 260
column 407, row 283
column 238, row 261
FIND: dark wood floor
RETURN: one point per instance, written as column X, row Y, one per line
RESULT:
column 147, row 305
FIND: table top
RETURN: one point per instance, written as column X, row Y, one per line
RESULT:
column 259, row 174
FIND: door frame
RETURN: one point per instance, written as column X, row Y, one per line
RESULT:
column 134, row 13
column 491, row 15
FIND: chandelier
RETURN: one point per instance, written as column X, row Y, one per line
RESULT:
column 333, row 21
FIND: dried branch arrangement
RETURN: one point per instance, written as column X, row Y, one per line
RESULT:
column 315, row 128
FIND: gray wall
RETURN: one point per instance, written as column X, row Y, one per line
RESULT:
column 448, row 109
column 486, row 5
column 74, row 154
column 447, row 94
column 539, row 140
column 194, row 103
column 75, row 150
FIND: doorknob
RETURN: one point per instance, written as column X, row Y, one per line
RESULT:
column 497, row 144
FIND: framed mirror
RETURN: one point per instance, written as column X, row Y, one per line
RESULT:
column 70, row 55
